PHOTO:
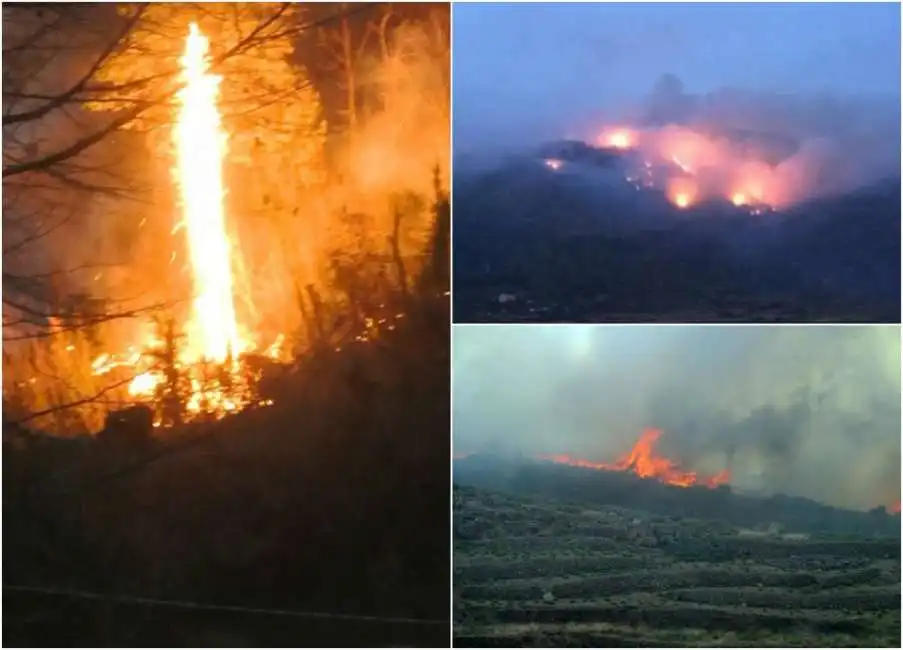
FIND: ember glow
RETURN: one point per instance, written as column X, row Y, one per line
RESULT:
column 643, row 461
column 553, row 163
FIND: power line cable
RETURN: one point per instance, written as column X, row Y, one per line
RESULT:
column 193, row 605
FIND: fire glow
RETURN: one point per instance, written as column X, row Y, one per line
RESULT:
column 682, row 192
column 200, row 148
column 715, row 167
column 618, row 139
column 212, row 331
column 643, row 461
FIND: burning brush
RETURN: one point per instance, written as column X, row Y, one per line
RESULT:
column 645, row 463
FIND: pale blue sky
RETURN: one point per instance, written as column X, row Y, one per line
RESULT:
column 525, row 66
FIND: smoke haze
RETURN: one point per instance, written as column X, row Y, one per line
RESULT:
column 801, row 100
column 813, row 411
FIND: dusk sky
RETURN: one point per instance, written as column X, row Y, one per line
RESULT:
column 544, row 67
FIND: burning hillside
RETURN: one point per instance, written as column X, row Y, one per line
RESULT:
column 643, row 461
column 690, row 167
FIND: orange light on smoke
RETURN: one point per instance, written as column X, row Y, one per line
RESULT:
column 684, row 167
column 682, row 192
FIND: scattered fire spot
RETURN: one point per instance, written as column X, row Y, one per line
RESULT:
column 553, row 163
column 682, row 192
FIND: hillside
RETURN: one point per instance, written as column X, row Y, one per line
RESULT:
column 580, row 244
column 531, row 570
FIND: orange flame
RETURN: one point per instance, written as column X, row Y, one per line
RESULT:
column 212, row 331
column 200, row 145
column 643, row 462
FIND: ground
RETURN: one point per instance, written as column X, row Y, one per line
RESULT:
column 332, row 501
column 530, row 571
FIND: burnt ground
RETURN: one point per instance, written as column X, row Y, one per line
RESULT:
column 534, row 571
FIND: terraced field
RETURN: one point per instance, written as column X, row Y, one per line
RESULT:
column 531, row 572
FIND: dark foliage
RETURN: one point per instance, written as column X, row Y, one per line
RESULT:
column 626, row 490
column 335, row 499
column 571, row 248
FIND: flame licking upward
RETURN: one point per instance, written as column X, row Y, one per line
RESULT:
column 200, row 147
column 643, row 462
column 212, row 332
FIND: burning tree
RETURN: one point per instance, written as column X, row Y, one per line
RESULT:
column 217, row 94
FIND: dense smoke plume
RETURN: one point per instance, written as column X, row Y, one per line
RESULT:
column 775, row 147
column 813, row 412
column 778, row 149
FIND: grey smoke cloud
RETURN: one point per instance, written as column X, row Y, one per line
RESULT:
column 811, row 411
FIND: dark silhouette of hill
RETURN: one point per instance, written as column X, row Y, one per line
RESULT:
column 590, row 486
column 580, row 244
column 847, row 243
column 334, row 500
